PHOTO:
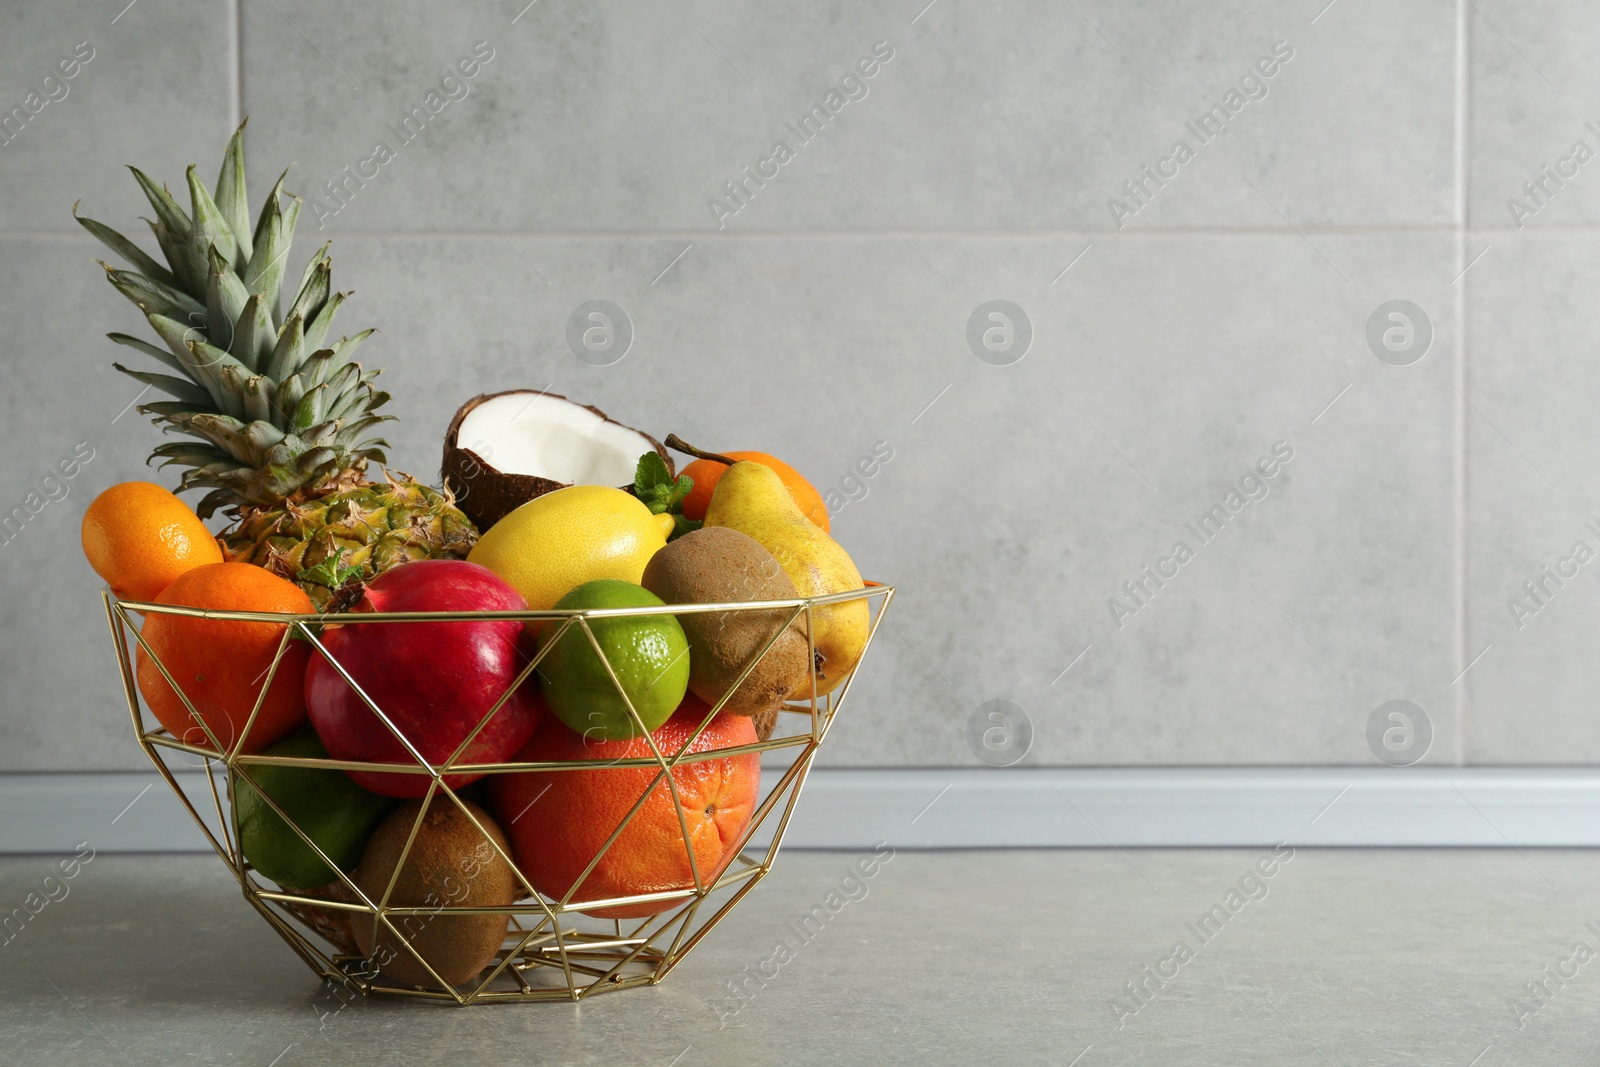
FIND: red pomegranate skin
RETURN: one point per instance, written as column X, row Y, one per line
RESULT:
column 435, row 680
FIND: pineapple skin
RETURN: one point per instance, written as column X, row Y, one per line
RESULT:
column 373, row 527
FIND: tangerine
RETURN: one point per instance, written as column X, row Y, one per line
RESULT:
column 707, row 472
column 139, row 538
column 221, row 664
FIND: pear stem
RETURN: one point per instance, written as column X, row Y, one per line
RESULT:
column 678, row 444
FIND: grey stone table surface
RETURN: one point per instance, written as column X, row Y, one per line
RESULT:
column 980, row 957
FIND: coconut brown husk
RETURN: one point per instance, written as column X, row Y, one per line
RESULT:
column 487, row 495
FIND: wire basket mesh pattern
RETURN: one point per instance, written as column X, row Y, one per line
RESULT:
column 554, row 946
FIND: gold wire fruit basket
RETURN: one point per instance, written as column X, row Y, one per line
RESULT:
column 552, row 949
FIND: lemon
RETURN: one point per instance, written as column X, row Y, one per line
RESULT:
column 648, row 653
column 560, row 540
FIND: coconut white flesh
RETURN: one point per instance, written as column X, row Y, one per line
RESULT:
column 548, row 437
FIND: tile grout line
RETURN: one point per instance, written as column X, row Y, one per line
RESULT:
column 236, row 46
column 1463, row 178
column 1463, row 103
column 1553, row 232
column 1445, row 230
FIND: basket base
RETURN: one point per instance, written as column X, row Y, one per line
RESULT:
column 541, row 959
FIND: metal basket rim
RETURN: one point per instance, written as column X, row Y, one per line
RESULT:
column 144, row 607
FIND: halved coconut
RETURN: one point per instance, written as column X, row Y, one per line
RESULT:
column 504, row 449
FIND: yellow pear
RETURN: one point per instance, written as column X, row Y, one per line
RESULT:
column 751, row 499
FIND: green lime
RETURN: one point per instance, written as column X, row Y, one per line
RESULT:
column 649, row 654
column 327, row 806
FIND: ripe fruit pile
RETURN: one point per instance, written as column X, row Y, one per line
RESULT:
column 277, row 422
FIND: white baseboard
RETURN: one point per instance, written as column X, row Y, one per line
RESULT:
column 1492, row 807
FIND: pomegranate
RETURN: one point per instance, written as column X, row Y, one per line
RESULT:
column 434, row 680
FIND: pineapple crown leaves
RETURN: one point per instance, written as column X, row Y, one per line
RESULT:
column 268, row 405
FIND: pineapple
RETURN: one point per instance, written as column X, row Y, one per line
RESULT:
column 277, row 420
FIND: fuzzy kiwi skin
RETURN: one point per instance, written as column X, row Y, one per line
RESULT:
column 715, row 565
column 765, row 722
column 450, row 863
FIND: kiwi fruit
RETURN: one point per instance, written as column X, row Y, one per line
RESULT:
column 765, row 722
column 451, row 863
column 715, row 565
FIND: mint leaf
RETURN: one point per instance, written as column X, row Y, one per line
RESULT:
column 656, row 488
column 649, row 475
column 678, row 490
column 662, row 493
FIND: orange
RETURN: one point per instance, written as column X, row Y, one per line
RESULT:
column 139, row 538
column 558, row 820
column 707, row 472
column 221, row 664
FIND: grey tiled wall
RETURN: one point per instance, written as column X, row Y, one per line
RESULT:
column 1368, row 155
